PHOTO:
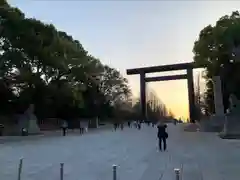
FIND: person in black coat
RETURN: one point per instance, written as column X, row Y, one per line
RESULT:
column 129, row 124
column 162, row 136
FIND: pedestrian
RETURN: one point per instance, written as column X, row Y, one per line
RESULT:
column 139, row 125
column 121, row 125
column 64, row 127
column 135, row 124
column 162, row 136
column 115, row 126
column 175, row 122
column 129, row 124
column 81, row 129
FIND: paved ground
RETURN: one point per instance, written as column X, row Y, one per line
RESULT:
column 90, row 157
column 49, row 134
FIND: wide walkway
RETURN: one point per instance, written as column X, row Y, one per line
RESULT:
column 200, row 156
column 90, row 157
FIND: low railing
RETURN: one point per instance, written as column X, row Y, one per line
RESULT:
column 114, row 171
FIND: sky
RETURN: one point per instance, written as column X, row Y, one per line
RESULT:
column 129, row 34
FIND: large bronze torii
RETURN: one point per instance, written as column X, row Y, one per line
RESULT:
column 172, row 67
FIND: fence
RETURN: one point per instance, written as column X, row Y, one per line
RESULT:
column 114, row 171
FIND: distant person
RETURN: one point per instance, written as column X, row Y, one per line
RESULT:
column 175, row 122
column 162, row 136
column 129, row 124
column 152, row 124
column 64, row 127
column 81, row 128
column 122, row 126
column 135, row 124
column 139, row 125
column 115, row 126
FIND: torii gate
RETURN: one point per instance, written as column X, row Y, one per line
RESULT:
column 172, row 67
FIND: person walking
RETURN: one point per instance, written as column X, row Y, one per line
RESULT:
column 135, row 124
column 81, row 129
column 122, row 125
column 129, row 124
column 115, row 126
column 175, row 122
column 152, row 124
column 64, row 127
column 139, row 125
column 162, row 136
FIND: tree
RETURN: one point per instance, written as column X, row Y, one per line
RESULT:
column 39, row 59
column 156, row 109
column 48, row 68
column 216, row 48
column 114, row 86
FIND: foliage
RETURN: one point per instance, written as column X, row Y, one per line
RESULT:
column 48, row 68
column 216, row 48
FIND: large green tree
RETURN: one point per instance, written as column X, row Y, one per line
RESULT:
column 217, row 48
column 48, row 68
column 113, row 85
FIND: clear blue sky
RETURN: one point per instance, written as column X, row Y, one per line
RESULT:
column 127, row 34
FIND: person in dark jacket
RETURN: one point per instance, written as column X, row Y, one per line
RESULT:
column 64, row 127
column 81, row 128
column 139, row 125
column 162, row 136
column 115, row 125
column 121, row 125
column 129, row 124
